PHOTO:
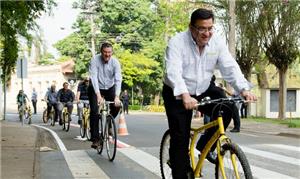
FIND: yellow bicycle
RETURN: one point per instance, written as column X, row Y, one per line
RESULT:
column 231, row 161
column 65, row 119
column 25, row 113
column 85, row 123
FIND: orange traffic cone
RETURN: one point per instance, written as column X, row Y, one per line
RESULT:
column 122, row 126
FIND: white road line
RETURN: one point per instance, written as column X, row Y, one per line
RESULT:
column 58, row 140
column 285, row 147
column 146, row 160
column 82, row 166
column 261, row 173
column 272, row 156
column 251, row 135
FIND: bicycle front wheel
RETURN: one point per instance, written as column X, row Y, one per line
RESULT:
column 45, row 116
column 82, row 125
column 164, row 157
column 110, row 137
column 67, row 122
column 235, row 163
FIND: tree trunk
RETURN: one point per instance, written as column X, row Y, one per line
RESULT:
column 262, row 80
column 282, row 94
column 156, row 98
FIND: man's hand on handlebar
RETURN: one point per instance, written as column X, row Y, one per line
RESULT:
column 249, row 97
column 188, row 101
column 117, row 101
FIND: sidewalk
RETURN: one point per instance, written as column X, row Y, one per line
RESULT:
column 20, row 148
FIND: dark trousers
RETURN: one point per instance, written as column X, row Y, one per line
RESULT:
column 179, row 120
column 236, row 118
column 49, row 106
column 109, row 95
column 125, row 106
column 244, row 110
column 34, row 105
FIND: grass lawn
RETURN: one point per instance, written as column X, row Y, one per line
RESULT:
column 290, row 122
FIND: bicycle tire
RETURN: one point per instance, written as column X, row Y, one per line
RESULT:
column 52, row 116
column 100, row 148
column 67, row 122
column 164, row 158
column 63, row 120
column 82, row 125
column 88, row 129
column 110, row 137
column 233, row 150
column 45, row 116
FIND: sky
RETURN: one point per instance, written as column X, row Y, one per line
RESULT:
column 59, row 24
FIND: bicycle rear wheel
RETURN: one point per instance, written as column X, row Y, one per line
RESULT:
column 164, row 158
column 110, row 137
column 232, row 156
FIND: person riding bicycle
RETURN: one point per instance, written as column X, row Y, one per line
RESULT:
column 22, row 99
column 51, row 100
column 82, row 95
column 191, row 58
column 65, row 98
column 105, row 81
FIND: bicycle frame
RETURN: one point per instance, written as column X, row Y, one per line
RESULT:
column 219, row 136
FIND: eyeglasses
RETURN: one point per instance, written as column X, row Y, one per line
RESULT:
column 202, row 30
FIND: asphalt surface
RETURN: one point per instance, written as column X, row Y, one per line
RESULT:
column 21, row 145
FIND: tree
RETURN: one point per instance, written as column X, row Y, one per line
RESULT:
column 279, row 27
column 17, row 18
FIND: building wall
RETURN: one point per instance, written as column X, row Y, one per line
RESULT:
column 40, row 77
column 266, row 110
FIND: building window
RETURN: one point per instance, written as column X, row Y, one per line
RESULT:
column 290, row 101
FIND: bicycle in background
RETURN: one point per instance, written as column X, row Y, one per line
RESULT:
column 231, row 161
column 85, row 117
column 25, row 113
column 51, row 115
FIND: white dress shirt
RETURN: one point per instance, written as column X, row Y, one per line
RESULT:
column 188, row 71
column 105, row 75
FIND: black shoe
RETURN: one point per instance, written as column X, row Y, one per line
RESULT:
column 96, row 144
column 235, row 130
column 211, row 157
column 79, row 122
column 60, row 122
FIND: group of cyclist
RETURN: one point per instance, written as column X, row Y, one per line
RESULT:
column 58, row 100
column 190, row 60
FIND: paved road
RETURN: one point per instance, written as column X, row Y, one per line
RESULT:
column 271, row 156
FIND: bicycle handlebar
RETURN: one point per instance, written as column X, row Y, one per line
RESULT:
column 207, row 100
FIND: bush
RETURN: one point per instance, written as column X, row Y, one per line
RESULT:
column 134, row 107
column 154, row 108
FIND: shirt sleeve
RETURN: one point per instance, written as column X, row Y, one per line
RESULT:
column 118, row 77
column 173, row 69
column 230, row 70
column 93, row 72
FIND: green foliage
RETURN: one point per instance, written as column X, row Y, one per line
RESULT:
column 17, row 18
column 154, row 108
column 75, row 47
column 47, row 59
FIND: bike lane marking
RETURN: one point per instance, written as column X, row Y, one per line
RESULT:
column 78, row 161
column 271, row 155
column 144, row 159
column 285, row 147
column 82, row 166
